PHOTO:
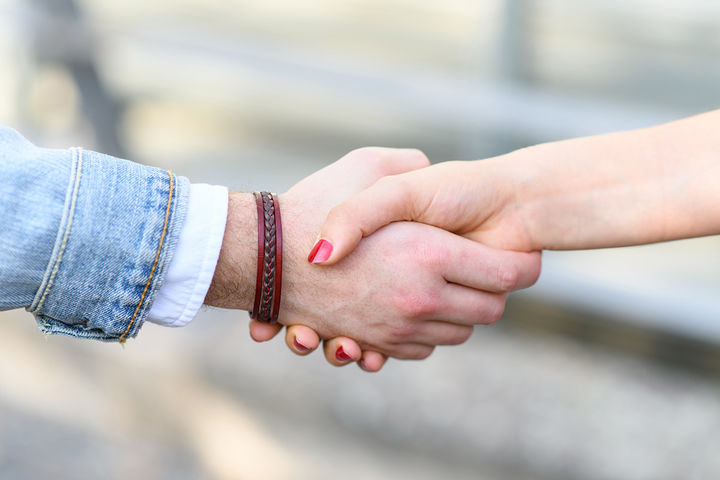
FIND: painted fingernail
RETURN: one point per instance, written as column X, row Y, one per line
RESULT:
column 341, row 355
column 363, row 365
column 300, row 346
column 320, row 252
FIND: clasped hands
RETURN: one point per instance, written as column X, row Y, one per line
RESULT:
column 412, row 256
column 406, row 287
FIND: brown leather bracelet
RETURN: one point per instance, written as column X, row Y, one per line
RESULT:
column 268, row 284
column 278, row 262
column 261, row 254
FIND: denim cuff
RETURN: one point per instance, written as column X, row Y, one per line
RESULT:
column 118, row 231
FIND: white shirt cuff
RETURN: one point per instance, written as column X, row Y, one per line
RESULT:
column 196, row 254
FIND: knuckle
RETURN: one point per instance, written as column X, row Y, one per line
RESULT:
column 535, row 272
column 508, row 277
column 398, row 192
column 495, row 311
column 423, row 352
column 402, row 330
column 461, row 336
column 412, row 352
column 416, row 304
column 335, row 213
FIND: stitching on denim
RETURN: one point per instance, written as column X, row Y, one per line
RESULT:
column 123, row 337
column 77, row 157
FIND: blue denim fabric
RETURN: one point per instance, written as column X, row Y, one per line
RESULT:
column 85, row 239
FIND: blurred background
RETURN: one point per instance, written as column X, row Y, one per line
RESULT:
column 609, row 368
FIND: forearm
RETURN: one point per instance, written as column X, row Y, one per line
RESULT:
column 233, row 285
column 627, row 188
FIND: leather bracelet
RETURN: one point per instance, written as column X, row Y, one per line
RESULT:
column 268, row 284
column 261, row 254
column 278, row 262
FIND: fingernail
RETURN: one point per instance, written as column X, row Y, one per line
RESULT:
column 320, row 252
column 341, row 355
column 363, row 365
column 299, row 345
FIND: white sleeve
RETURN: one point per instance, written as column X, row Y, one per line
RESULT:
column 196, row 254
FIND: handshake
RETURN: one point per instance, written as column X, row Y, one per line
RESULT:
column 382, row 254
column 405, row 261
column 404, row 256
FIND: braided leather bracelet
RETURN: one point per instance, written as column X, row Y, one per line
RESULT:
column 268, row 284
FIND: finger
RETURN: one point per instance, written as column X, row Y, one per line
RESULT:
column 386, row 201
column 411, row 351
column 340, row 351
column 475, row 265
column 441, row 333
column 301, row 339
column 262, row 332
column 466, row 306
column 372, row 361
column 392, row 161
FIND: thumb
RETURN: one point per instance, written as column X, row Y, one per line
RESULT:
column 388, row 200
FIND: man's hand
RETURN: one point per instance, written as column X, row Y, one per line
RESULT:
column 234, row 282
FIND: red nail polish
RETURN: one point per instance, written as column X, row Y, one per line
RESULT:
column 341, row 355
column 299, row 345
column 320, row 252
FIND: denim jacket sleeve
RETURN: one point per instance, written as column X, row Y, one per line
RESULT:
column 85, row 239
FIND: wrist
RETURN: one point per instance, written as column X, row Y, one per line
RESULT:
column 527, row 186
column 566, row 198
column 233, row 283
column 510, row 188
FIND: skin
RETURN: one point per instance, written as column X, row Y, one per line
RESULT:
column 628, row 188
column 407, row 289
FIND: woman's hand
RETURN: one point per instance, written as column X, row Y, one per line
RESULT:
column 626, row 188
column 473, row 199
